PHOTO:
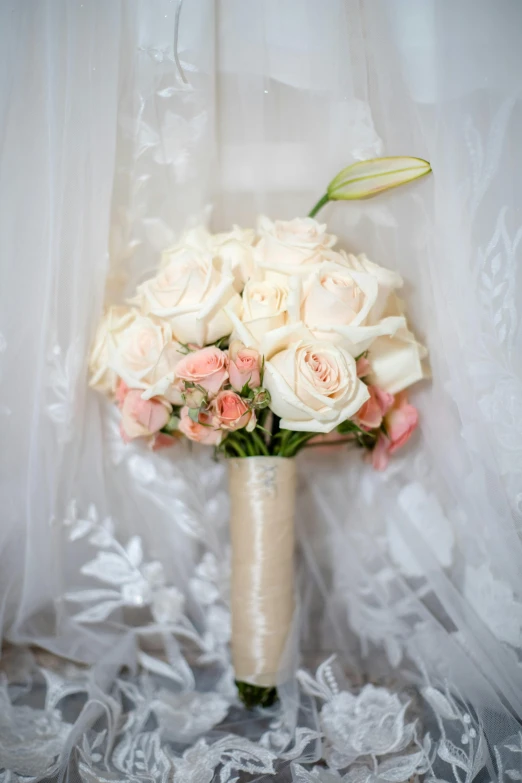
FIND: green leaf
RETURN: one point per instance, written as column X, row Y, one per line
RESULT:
column 194, row 414
column 172, row 424
column 349, row 426
column 185, row 348
column 369, row 177
column 222, row 343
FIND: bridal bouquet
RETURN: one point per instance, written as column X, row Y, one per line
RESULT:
column 262, row 343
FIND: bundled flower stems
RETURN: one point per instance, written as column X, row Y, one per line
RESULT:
column 257, row 343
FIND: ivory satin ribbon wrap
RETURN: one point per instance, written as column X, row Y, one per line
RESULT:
column 262, row 500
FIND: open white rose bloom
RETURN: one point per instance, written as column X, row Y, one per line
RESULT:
column 157, row 163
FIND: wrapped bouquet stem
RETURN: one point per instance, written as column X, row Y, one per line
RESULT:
column 257, row 343
column 262, row 503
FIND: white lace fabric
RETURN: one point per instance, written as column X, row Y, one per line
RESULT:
column 116, row 558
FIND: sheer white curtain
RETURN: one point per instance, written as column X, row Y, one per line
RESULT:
column 122, row 123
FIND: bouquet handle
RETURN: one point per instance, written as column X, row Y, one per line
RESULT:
column 262, row 497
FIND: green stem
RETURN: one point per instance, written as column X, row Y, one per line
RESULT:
column 320, row 204
column 298, row 442
column 329, row 443
column 280, row 441
column 237, row 448
column 255, row 695
column 260, row 443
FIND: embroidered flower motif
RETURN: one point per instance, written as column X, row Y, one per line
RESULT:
column 31, row 740
column 371, row 723
column 185, row 716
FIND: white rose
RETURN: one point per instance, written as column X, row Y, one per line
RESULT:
column 108, row 336
column 346, row 306
column 146, row 357
column 191, row 292
column 264, row 308
column 234, row 248
column 387, row 279
column 396, row 361
column 290, row 246
column 313, row 384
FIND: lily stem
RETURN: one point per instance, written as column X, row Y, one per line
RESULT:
column 320, row 204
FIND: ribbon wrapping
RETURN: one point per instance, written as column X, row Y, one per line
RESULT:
column 262, row 499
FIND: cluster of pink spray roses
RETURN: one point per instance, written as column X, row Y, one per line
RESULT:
column 222, row 392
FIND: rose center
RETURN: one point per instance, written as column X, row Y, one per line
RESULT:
column 324, row 371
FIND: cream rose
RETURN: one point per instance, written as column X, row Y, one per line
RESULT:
column 234, row 248
column 288, row 247
column 313, row 384
column 264, row 308
column 109, row 334
column 191, row 292
column 396, row 361
column 346, row 307
column 146, row 357
column 388, row 281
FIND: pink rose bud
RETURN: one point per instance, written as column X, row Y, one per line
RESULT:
column 194, row 398
column 401, row 422
column 363, row 367
column 380, row 453
column 261, row 399
column 142, row 418
column 162, row 441
column 232, row 412
column 206, row 368
column 121, row 393
column 370, row 415
column 244, row 365
column 199, row 431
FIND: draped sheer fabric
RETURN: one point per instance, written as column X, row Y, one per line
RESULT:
column 120, row 125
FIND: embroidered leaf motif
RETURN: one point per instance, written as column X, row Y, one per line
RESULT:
column 481, row 756
column 323, row 685
column 243, row 756
column 303, row 739
column 80, row 529
column 111, row 568
column 401, row 768
column 516, row 748
column 84, row 596
column 98, row 612
column 439, row 703
column 453, row 755
column 135, row 551
column 59, row 688
column 161, row 668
